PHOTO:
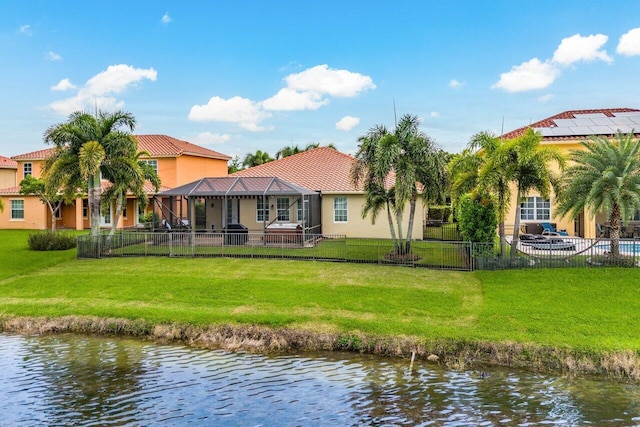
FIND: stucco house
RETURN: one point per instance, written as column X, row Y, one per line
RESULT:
column 565, row 131
column 176, row 162
column 8, row 169
column 311, row 190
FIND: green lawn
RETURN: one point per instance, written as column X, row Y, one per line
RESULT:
column 592, row 309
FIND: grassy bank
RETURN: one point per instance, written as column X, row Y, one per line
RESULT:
column 575, row 319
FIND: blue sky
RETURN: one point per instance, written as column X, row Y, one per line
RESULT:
column 238, row 76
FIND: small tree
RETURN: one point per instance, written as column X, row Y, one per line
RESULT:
column 477, row 218
column 234, row 165
column 31, row 186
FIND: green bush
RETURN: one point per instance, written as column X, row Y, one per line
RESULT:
column 477, row 218
column 439, row 213
column 45, row 241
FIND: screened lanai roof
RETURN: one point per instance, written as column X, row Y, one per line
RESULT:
column 233, row 186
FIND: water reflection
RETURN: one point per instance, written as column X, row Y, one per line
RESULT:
column 76, row 380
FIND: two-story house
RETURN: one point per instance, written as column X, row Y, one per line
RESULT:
column 176, row 162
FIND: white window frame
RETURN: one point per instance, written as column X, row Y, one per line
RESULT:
column 299, row 213
column 15, row 209
column 535, row 208
column 282, row 209
column 262, row 210
column 153, row 163
column 85, row 208
column 27, row 169
column 340, row 210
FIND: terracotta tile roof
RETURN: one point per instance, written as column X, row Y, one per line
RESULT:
column 156, row 145
column 7, row 163
column 148, row 187
column 9, row 191
column 321, row 169
column 571, row 114
column 166, row 146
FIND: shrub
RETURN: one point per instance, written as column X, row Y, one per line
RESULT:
column 439, row 213
column 45, row 241
column 477, row 218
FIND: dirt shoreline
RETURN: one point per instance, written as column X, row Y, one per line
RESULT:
column 455, row 354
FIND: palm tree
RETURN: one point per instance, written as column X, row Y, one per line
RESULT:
column 256, row 159
column 129, row 178
column 415, row 160
column 605, row 176
column 86, row 147
column 287, row 151
column 529, row 167
column 479, row 169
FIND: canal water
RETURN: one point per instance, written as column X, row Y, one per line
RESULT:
column 78, row 380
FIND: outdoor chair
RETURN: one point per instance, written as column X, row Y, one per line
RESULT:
column 603, row 230
column 549, row 230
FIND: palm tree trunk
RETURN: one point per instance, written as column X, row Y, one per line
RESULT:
column 501, row 230
column 400, row 238
column 614, row 220
column 516, row 226
column 116, row 219
column 392, row 230
column 412, row 214
column 94, row 204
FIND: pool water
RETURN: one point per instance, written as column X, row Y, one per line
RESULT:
column 627, row 247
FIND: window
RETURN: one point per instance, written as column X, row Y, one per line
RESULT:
column 282, row 208
column 85, row 208
column 152, row 163
column 535, row 209
column 262, row 210
column 299, row 215
column 17, row 209
column 124, row 209
column 340, row 209
column 27, row 169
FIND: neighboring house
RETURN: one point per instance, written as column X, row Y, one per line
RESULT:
column 324, row 172
column 565, row 131
column 8, row 170
column 176, row 162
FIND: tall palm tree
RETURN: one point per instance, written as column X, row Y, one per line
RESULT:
column 255, row 159
column 605, row 176
column 479, row 168
column 529, row 168
column 412, row 157
column 131, row 177
column 87, row 146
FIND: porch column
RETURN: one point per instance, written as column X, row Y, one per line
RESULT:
column 79, row 217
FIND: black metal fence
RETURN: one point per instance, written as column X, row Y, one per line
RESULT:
column 443, row 231
column 426, row 254
column 545, row 253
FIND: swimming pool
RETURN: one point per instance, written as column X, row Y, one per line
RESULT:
column 626, row 247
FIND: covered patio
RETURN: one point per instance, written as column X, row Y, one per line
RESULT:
column 244, row 204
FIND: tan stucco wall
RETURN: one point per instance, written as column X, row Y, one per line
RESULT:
column 356, row 226
column 35, row 214
column 562, row 223
column 190, row 168
column 8, row 178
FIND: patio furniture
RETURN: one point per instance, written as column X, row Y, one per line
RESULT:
column 550, row 230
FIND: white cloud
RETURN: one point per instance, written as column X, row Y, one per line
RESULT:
column 64, row 84
column 546, row 98
column 629, row 43
column 245, row 112
column 26, row 29
column 97, row 90
column 347, row 123
column 455, row 84
column 166, row 18
column 434, row 114
column 52, row 56
column 578, row 48
column 208, row 138
column 289, row 100
column 529, row 75
column 324, row 80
